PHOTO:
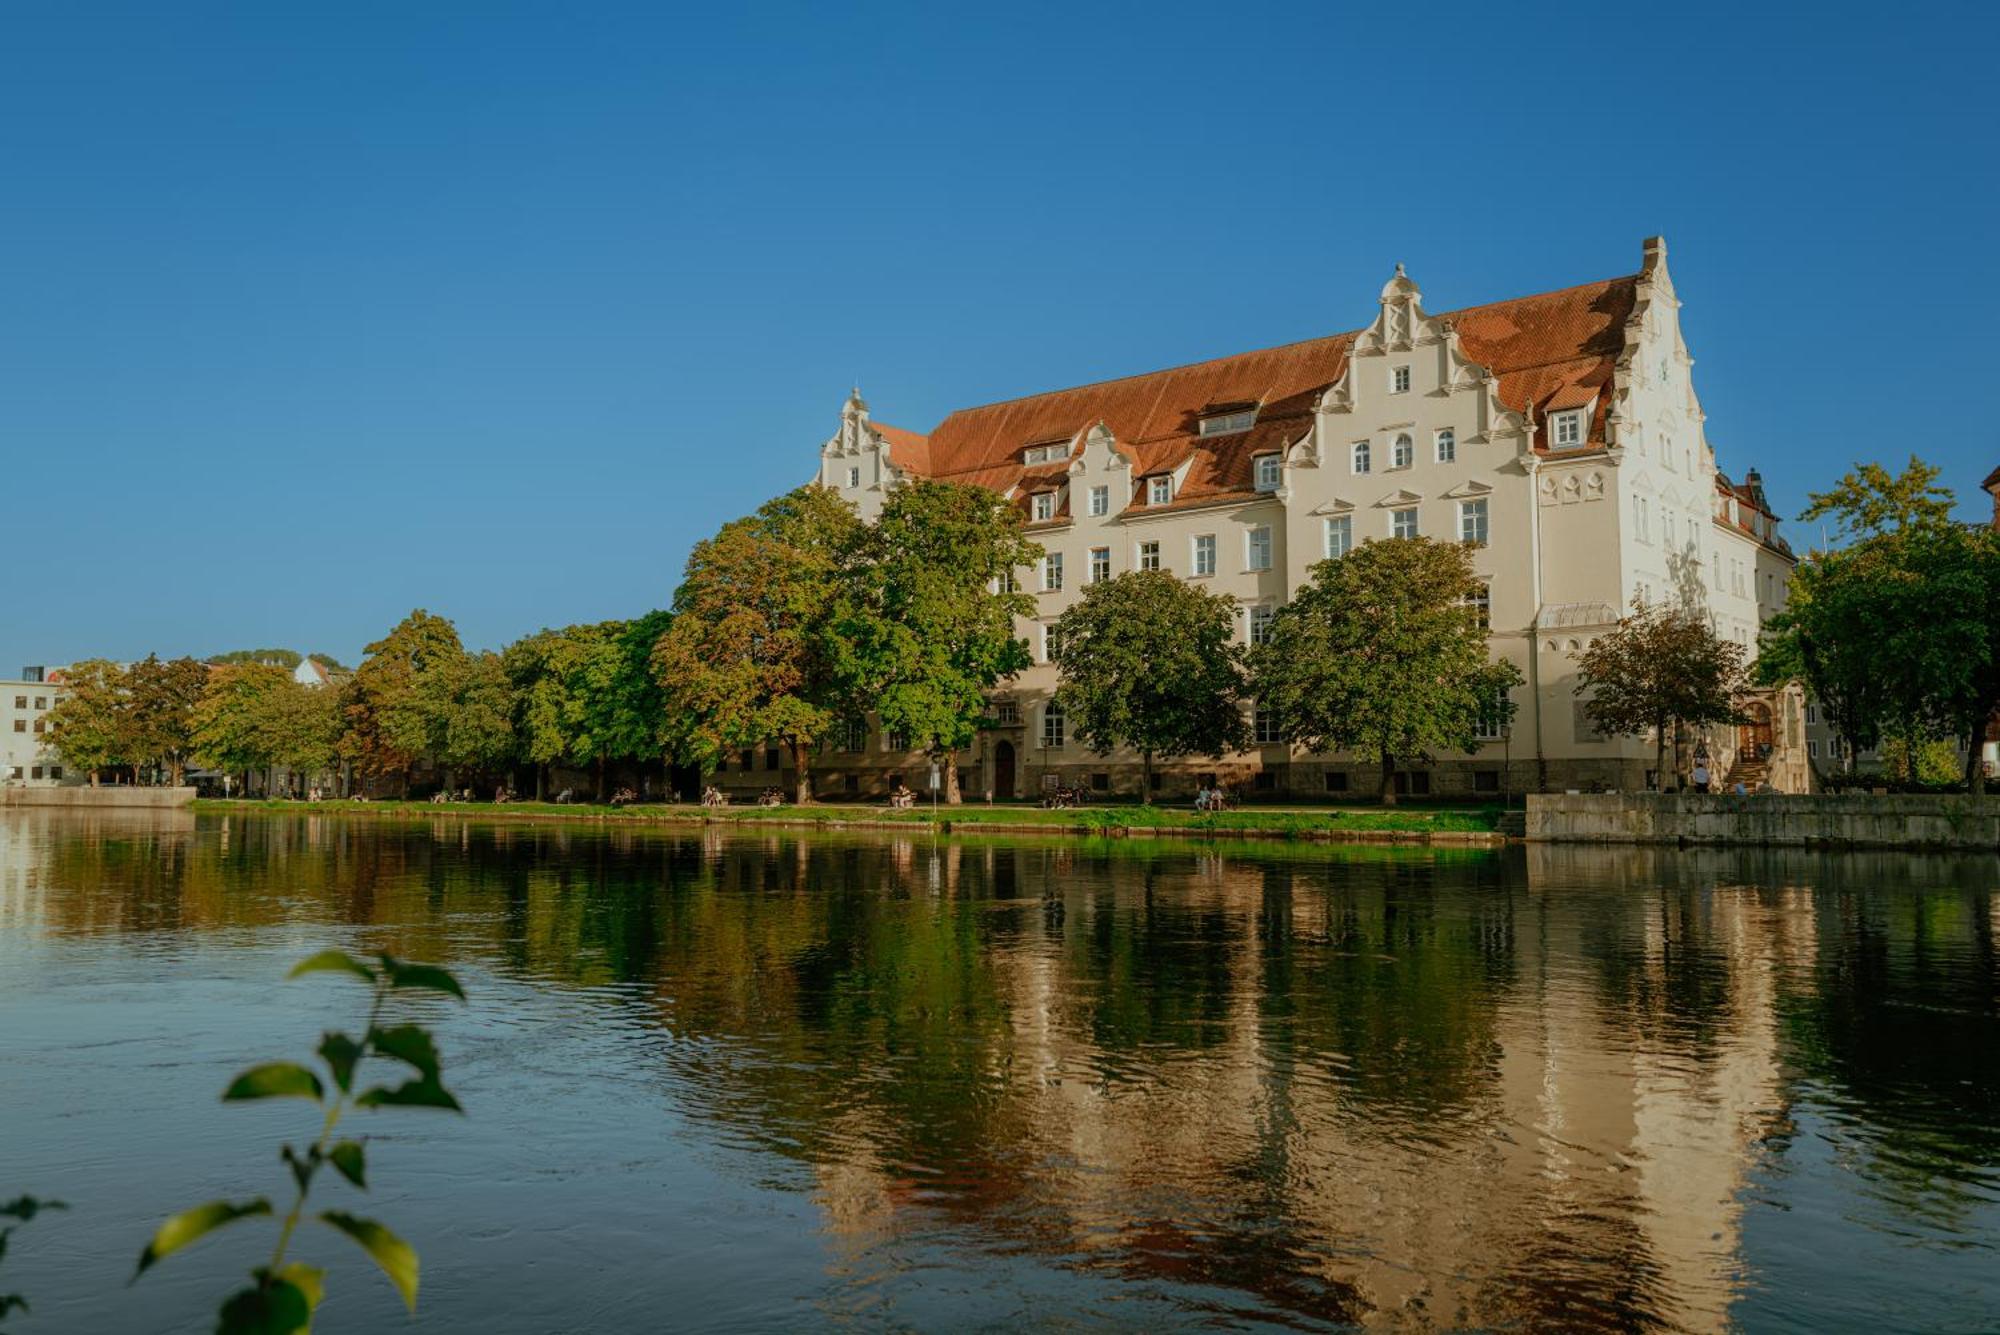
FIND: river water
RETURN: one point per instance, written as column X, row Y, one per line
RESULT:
column 763, row 1082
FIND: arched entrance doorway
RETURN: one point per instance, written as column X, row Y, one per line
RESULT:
column 1753, row 735
column 1003, row 770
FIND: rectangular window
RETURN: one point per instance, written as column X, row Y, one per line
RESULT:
column 1261, row 617
column 1258, row 548
column 1100, row 782
column 20, row 702
column 896, row 740
column 1100, row 564
column 1336, row 781
column 1149, row 556
column 1052, row 572
column 35, row 772
column 1007, row 713
column 774, row 759
column 747, row 759
column 1486, row 781
column 1399, row 380
column 1045, row 505
column 853, row 735
column 1472, row 522
column 1812, row 713
column 1481, row 602
column 1264, row 726
column 1048, row 633
column 1052, row 726
column 55, row 771
column 1269, row 472
column 41, row 724
column 20, row 725
column 1009, row 583
column 1447, row 446
column 1639, row 519
column 1490, row 723
column 1569, row 429
column 14, row 772
column 1223, row 424
column 1160, row 490
column 1403, row 523
column 1204, row 554
column 1360, row 456
column 853, row 477
column 1100, row 501
column 1339, row 536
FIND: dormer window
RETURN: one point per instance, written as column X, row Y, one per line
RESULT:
column 1268, row 472
column 1046, row 454
column 1399, row 380
column 1159, row 490
column 1045, row 506
column 1229, row 423
column 1567, row 429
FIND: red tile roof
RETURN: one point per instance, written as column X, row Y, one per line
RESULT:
column 1553, row 351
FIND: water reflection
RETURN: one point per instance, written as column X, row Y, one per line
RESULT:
column 1585, row 1089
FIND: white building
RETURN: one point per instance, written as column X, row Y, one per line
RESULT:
column 1561, row 433
column 25, row 757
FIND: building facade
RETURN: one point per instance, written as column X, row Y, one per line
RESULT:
column 1560, row 434
column 25, row 754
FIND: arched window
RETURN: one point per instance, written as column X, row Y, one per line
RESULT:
column 1405, row 452
column 1360, row 456
column 1447, row 446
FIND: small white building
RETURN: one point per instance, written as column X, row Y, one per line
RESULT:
column 25, row 756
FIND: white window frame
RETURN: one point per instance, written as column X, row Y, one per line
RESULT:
column 1474, row 521
column 1229, row 424
column 1100, row 501
column 1481, row 601
column 1359, row 458
column 853, row 477
column 1403, row 452
column 1396, row 518
column 1253, row 558
column 1201, row 554
column 1257, row 628
column 1566, row 428
column 1270, row 472
column 1100, row 564
column 1399, row 379
column 1159, row 489
column 1148, row 557
column 1052, row 572
column 1342, row 525
column 1054, row 727
column 1444, row 446
column 1045, row 506
column 1264, row 726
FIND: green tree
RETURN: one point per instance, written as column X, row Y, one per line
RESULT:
column 162, row 698
column 1663, row 668
column 300, row 727
column 91, row 723
column 933, row 630
column 284, row 658
column 1150, row 662
column 1381, row 653
column 540, row 671
column 1869, row 500
column 393, row 716
column 232, row 720
column 468, row 700
column 757, row 650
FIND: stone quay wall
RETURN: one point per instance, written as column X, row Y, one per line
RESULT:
column 1968, row 824
column 84, row 798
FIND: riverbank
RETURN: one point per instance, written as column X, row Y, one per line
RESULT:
column 1474, row 826
column 1916, row 822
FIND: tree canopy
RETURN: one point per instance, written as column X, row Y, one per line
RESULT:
column 758, row 649
column 1150, row 662
column 932, row 629
column 1381, row 653
column 90, row 725
column 1663, row 667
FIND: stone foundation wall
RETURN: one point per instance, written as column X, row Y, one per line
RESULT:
column 1969, row 824
column 93, row 799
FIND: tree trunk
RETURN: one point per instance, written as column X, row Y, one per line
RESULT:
column 601, row 760
column 1660, row 756
column 1975, row 767
column 176, row 772
column 802, row 792
column 541, row 781
column 1388, row 793
column 1145, row 778
column 1677, row 755
column 952, row 797
column 93, row 778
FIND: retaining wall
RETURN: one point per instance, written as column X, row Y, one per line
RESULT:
column 84, row 798
column 1778, row 820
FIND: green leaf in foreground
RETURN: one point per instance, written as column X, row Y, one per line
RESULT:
column 332, row 961
column 396, row 1257
column 25, row 1208
column 407, row 1043
column 274, row 1307
column 340, row 1053
column 427, row 976
column 181, row 1229
column 422, row 1092
column 309, row 1280
column 275, row 1080
column 352, row 1163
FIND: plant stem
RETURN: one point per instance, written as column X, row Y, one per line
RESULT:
column 325, row 1131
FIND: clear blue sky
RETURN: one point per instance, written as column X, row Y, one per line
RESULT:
column 310, row 315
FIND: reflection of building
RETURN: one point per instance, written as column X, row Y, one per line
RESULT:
column 25, row 757
column 1560, row 432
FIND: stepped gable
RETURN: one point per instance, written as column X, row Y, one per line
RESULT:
column 1550, row 352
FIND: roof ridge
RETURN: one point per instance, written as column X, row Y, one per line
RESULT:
column 1281, row 347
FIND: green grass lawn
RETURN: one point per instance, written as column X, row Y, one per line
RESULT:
column 1302, row 821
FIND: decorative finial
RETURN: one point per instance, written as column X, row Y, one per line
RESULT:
column 1399, row 271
